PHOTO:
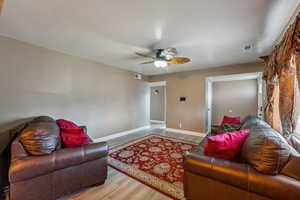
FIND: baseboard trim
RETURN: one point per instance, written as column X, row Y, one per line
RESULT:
column 115, row 135
column 185, row 132
column 157, row 121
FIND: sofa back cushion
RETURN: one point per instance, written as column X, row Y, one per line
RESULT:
column 253, row 122
column 266, row 150
column 294, row 140
column 41, row 136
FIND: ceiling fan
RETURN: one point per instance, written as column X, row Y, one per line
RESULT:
column 164, row 57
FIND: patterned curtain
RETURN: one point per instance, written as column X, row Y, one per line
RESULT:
column 282, row 75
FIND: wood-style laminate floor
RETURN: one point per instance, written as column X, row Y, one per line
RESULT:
column 118, row 186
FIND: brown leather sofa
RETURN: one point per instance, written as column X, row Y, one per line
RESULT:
column 64, row 171
column 216, row 179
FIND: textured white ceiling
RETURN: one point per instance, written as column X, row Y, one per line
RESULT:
column 211, row 32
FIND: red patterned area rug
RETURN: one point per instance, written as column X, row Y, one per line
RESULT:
column 155, row 161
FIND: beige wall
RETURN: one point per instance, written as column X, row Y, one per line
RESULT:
column 191, row 114
column 157, row 103
column 36, row 81
column 234, row 98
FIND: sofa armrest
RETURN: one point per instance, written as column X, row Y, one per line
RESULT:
column 292, row 168
column 242, row 176
column 73, row 156
column 232, row 173
column 17, row 151
column 32, row 166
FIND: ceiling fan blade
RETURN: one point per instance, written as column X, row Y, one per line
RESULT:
column 179, row 60
column 145, row 56
column 1, row 5
column 149, row 62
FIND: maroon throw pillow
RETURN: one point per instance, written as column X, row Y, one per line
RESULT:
column 66, row 125
column 225, row 146
column 234, row 121
column 71, row 134
column 231, row 120
column 74, row 140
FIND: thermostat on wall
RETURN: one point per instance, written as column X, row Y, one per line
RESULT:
column 182, row 99
column 138, row 76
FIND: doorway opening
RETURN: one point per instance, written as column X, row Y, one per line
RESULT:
column 158, row 104
column 233, row 95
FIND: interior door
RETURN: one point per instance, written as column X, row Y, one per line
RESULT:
column 157, row 103
column 234, row 98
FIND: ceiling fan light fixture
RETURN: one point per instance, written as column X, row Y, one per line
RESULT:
column 169, row 57
column 160, row 63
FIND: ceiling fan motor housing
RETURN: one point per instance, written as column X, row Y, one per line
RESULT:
column 159, row 53
column 166, row 54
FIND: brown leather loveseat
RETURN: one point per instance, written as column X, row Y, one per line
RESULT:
column 251, row 179
column 65, row 170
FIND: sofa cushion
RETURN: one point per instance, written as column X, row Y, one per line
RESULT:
column 266, row 150
column 225, row 146
column 71, row 134
column 294, row 140
column 47, row 119
column 74, row 140
column 66, row 125
column 252, row 122
column 43, row 119
column 40, row 137
column 231, row 120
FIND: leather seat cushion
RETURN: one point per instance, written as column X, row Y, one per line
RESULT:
column 40, row 137
column 266, row 150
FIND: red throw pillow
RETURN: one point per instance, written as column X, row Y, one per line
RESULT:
column 71, row 134
column 74, row 140
column 231, row 120
column 66, row 125
column 226, row 145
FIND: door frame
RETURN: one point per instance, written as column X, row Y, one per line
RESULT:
column 155, row 84
column 234, row 77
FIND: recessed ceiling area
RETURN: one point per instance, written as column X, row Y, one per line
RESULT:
column 211, row 33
